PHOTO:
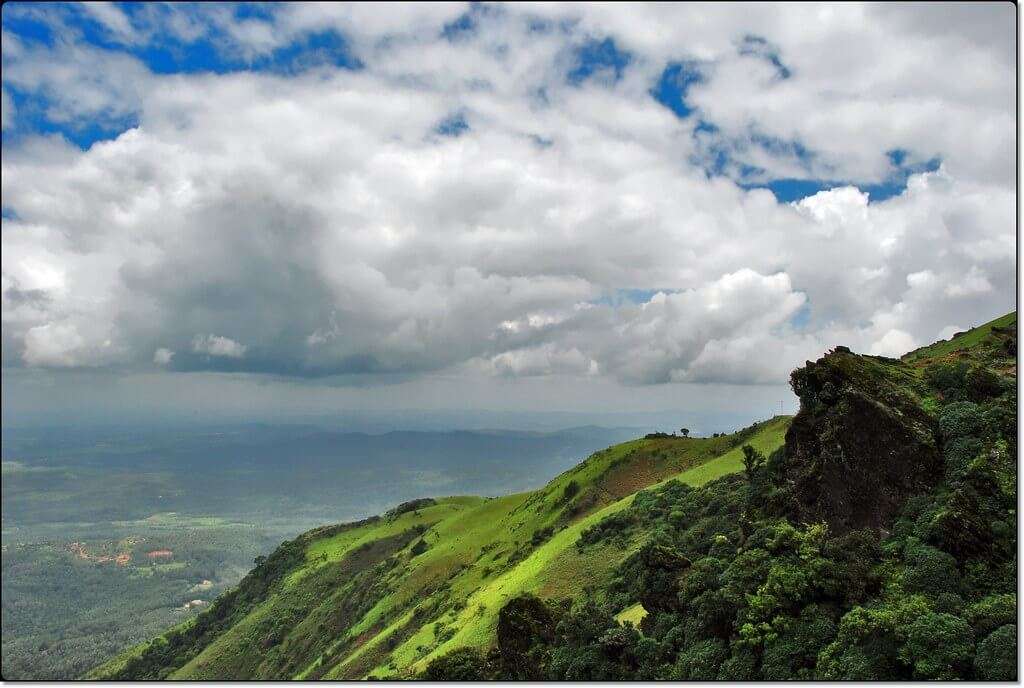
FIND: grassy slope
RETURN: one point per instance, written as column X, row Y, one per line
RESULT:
column 970, row 339
column 477, row 629
column 480, row 553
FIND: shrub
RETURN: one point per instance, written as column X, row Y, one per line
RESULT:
column 948, row 602
column 868, row 640
column 948, row 378
column 961, row 419
column 996, row 659
column 991, row 613
column 742, row 666
column 523, row 623
column 960, row 452
column 540, row 536
column 929, row 570
column 982, row 384
column 938, row 646
column 792, row 654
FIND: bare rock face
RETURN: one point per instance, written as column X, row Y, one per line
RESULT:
column 861, row 443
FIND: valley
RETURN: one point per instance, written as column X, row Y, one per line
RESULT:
column 111, row 536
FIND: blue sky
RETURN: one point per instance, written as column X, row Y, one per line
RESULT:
column 166, row 53
column 599, row 205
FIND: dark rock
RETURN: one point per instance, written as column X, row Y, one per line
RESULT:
column 860, row 445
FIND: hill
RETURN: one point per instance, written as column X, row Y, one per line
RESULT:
column 217, row 495
column 872, row 536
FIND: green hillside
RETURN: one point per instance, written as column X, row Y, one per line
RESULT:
column 871, row 536
column 964, row 341
column 476, row 554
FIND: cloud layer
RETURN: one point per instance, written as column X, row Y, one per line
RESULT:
column 460, row 202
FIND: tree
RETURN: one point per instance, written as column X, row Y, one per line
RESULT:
column 752, row 461
column 525, row 627
column 685, row 432
column 463, row 664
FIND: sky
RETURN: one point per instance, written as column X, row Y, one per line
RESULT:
column 266, row 210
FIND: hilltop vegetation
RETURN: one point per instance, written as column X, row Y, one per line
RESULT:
column 873, row 536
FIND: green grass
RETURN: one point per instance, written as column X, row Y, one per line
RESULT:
column 323, row 551
column 968, row 340
column 633, row 615
column 770, row 437
column 480, row 553
column 476, row 628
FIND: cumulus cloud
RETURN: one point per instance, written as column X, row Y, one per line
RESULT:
column 321, row 225
column 893, row 343
column 53, row 344
column 214, row 345
column 162, row 356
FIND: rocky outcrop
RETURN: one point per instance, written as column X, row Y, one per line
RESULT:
column 861, row 443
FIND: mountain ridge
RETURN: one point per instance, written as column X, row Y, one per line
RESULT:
column 433, row 587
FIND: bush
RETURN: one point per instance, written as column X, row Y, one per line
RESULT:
column 938, row 646
column 961, row 419
column 960, row 452
column 929, row 570
column 948, row 602
column 996, row 659
column 541, row 536
column 793, row 653
column 991, row 613
column 869, row 638
column 982, row 384
column 948, row 378
column 742, row 666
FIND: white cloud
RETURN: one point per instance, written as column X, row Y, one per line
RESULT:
column 322, row 221
column 112, row 18
column 214, row 345
column 948, row 331
column 53, row 345
column 893, row 343
column 972, row 284
column 80, row 84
